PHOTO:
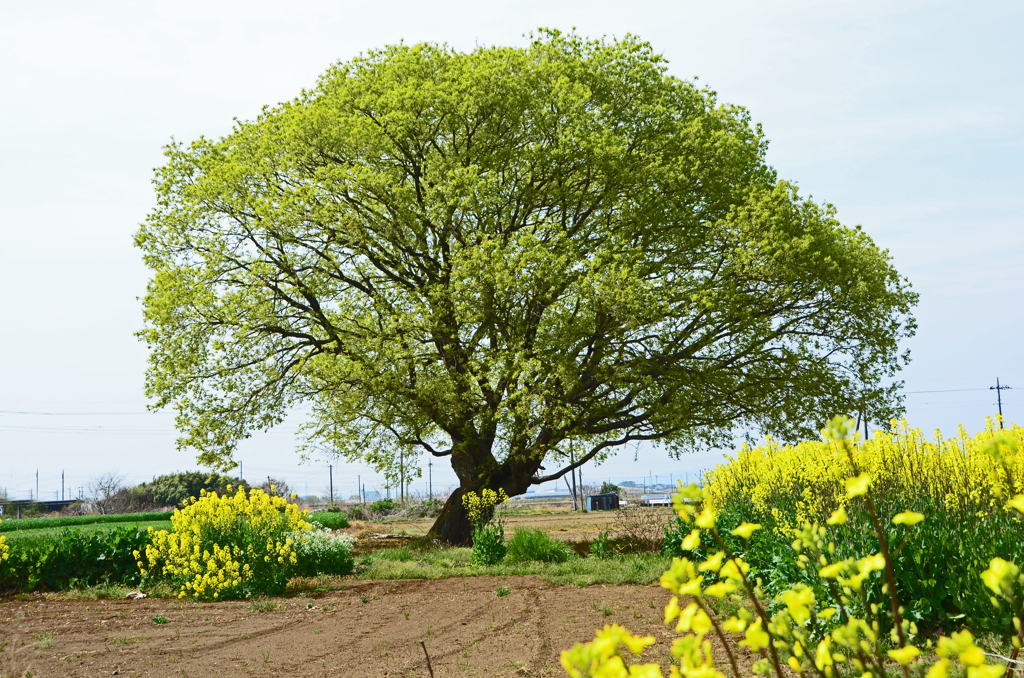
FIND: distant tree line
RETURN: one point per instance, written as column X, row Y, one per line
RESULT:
column 111, row 494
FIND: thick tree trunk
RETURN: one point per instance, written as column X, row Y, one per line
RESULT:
column 453, row 526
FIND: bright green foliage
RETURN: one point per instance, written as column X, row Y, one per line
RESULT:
column 501, row 255
column 795, row 630
column 333, row 521
column 488, row 545
column 48, row 534
column 72, row 559
column 600, row 548
column 527, row 544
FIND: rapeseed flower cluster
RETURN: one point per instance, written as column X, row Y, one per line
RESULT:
column 488, row 533
column 793, row 632
column 225, row 546
column 4, row 548
column 793, row 484
column 480, row 507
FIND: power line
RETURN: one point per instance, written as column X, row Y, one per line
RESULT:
column 72, row 414
column 952, row 390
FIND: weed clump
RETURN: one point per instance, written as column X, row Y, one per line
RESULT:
column 527, row 545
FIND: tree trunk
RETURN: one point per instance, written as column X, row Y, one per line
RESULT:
column 452, row 525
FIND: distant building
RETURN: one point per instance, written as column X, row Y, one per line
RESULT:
column 656, row 500
column 603, row 502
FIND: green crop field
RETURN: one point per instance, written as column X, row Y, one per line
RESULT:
column 14, row 525
column 37, row 536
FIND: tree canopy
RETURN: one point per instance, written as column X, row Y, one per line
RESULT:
column 502, row 255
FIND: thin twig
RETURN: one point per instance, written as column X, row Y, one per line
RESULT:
column 429, row 667
column 1008, row 660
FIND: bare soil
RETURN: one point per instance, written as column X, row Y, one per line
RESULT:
column 562, row 524
column 468, row 629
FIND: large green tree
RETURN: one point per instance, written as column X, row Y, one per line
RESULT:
column 501, row 256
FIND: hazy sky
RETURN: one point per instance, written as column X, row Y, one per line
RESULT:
column 906, row 116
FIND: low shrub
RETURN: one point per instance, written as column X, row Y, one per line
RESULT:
column 600, row 548
column 527, row 544
column 382, row 505
column 488, row 532
column 640, row 530
column 328, row 519
column 488, row 545
column 319, row 551
column 428, row 508
column 226, row 546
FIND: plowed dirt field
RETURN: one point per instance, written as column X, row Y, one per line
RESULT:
column 372, row 628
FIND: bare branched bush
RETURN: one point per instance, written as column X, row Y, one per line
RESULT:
column 640, row 529
column 109, row 494
column 276, row 488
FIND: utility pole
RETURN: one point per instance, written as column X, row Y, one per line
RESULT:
column 37, row 483
column 430, row 477
column 241, row 476
column 999, row 398
column 572, row 460
column 583, row 500
column 62, row 485
column 330, row 470
column 401, row 476
column 359, row 488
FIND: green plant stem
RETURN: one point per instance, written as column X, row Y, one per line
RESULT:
column 721, row 636
column 753, row 598
column 890, row 576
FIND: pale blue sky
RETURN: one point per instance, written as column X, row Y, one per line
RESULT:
column 907, row 116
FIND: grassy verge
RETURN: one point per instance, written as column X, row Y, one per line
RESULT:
column 31, row 538
column 442, row 563
column 15, row 525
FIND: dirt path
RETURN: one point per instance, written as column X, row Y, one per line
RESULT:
column 469, row 631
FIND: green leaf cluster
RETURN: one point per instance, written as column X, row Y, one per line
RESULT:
column 506, row 256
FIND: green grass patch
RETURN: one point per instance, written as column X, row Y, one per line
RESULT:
column 328, row 519
column 442, row 563
column 527, row 545
column 15, row 525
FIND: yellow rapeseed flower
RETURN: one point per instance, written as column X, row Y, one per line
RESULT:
column 908, row 518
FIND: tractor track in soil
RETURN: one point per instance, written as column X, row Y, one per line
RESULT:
column 469, row 631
